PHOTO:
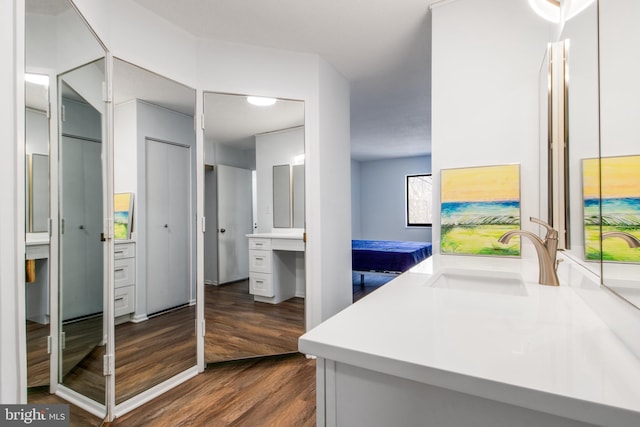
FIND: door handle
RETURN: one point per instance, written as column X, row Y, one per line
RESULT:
column 166, row 226
column 222, row 230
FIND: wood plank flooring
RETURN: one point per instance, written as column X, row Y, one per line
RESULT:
column 237, row 327
column 372, row 281
column 37, row 355
column 150, row 352
column 78, row 417
column 268, row 392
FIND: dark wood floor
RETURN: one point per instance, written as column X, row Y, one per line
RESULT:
column 37, row 355
column 268, row 392
column 78, row 417
column 238, row 327
column 372, row 282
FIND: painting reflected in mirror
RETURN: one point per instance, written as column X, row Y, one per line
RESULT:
column 254, row 186
column 154, row 166
column 620, row 151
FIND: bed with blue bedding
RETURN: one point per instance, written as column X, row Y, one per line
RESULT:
column 386, row 256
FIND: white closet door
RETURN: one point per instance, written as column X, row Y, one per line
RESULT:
column 234, row 223
column 168, row 225
column 81, row 212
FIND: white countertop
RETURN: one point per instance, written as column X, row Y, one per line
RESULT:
column 547, row 351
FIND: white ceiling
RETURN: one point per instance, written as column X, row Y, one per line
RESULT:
column 381, row 46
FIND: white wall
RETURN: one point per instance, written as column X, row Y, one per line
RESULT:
column 383, row 199
column 272, row 149
column 486, row 57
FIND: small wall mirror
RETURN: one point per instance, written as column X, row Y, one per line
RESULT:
column 282, row 196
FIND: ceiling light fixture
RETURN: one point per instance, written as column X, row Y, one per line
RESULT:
column 551, row 9
column 39, row 79
column 260, row 101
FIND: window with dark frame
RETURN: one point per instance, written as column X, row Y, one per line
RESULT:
column 418, row 196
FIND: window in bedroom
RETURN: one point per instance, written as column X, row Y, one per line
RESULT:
column 419, row 205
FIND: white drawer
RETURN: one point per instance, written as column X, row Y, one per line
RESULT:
column 260, row 284
column 124, row 272
column 260, row 261
column 260, row 244
column 124, row 301
column 124, row 250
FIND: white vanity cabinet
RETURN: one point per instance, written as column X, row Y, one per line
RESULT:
column 124, row 274
column 274, row 268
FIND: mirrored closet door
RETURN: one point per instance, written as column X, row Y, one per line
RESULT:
column 254, row 204
column 64, row 132
column 154, row 204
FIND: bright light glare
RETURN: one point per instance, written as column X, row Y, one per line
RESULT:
column 299, row 159
column 260, row 101
column 39, row 79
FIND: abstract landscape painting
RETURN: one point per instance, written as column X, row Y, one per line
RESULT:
column 620, row 188
column 122, row 215
column 478, row 205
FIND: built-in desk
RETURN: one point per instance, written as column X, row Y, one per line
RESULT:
column 276, row 266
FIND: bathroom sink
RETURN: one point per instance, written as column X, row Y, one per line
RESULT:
column 495, row 282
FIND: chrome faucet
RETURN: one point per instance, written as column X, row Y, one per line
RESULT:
column 546, row 250
column 631, row 240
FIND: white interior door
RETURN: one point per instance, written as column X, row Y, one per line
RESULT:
column 168, row 225
column 81, row 213
column 234, row 223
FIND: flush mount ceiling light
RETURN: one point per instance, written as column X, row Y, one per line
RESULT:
column 551, row 10
column 39, row 79
column 260, row 101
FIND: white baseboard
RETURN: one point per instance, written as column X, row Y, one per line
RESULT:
column 138, row 318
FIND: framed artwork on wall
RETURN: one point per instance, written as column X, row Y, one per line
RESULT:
column 478, row 205
column 122, row 215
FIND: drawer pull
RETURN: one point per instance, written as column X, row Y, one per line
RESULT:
column 119, row 299
column 260, row 281
column 258, row 244
column 259, row 258
column 118, row 252
column 119, row 269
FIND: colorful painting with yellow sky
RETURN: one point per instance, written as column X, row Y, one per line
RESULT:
column 478, row 205
column 618, row 179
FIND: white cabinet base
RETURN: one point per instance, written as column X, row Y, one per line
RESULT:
column 378, row 399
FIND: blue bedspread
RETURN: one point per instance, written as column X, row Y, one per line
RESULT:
column 387, row 255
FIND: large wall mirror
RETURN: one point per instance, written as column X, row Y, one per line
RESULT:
column 64, row 138
column 620, row 163
column 603, row 165
column 254, row 184
column 154, row 185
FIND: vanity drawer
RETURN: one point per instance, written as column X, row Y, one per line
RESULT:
column 124, row 301
column 260, row 261
column 260, row 284
column 260, row 244
column 124, row 250
column 124, row 272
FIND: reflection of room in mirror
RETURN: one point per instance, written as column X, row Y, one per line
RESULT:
column 154, row 168
column 267, row 142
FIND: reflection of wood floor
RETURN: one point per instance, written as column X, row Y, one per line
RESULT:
column 150, row 352
column 37, row 356
column 238, row 327
column 78, row 417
